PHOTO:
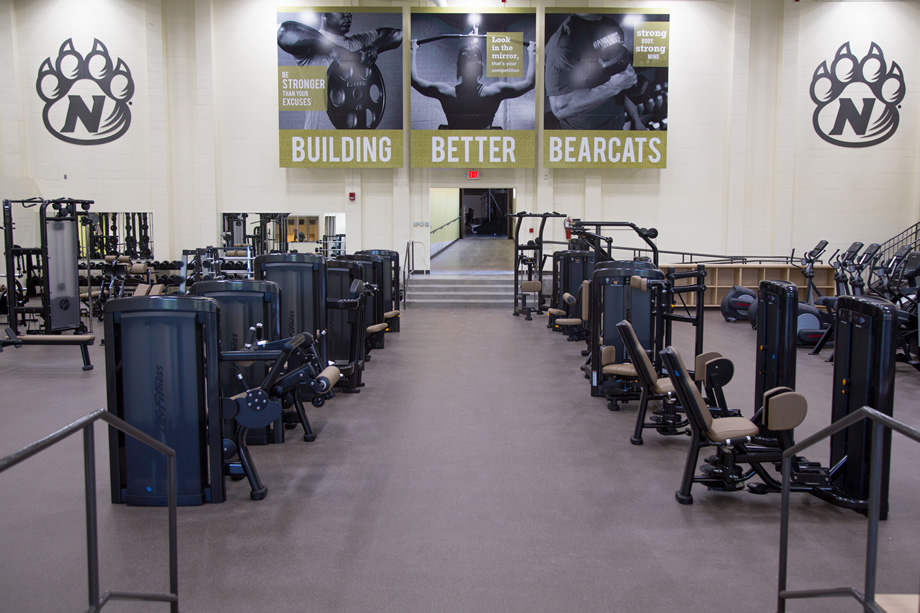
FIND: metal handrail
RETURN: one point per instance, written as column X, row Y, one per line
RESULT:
column 442, row 226
column 880, row 422
column 689, row 257
column 97, row 600
column 408, row 269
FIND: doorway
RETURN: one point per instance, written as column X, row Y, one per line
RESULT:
column 470, row 230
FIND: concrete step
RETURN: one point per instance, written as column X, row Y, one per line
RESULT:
column 461, row 291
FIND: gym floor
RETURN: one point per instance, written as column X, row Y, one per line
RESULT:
column 473, row 473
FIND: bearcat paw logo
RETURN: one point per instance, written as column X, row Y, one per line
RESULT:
column 86, row 98
column 857, row 99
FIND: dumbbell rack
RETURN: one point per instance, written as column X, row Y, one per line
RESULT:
column 242, row 261
column 214, row 263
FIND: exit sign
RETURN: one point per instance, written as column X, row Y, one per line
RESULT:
column 472, row 174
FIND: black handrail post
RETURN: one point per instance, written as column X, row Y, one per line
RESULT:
column 172, row 501
column 92, row 531
column 784, row 534
column 875, row 495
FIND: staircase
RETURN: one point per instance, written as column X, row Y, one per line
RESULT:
column 461, row 291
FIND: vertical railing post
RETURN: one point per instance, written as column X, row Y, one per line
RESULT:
column 875, row 495
column 172, row 484
column 784, row 535
column 92, row 542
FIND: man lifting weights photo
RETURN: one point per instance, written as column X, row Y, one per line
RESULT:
column 588, row 74
column 350, row 56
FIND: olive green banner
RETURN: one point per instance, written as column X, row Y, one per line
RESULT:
column 607, row 149
column 473, row 149
column 341, row 148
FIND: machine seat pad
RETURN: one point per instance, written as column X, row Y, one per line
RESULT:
column 391, row 314
column 376, row 328
column 93, row 294
column 731, row 427
column 569, row 322
column 556, row 312
column 620, row 370
column 531, row 286
column 57, row 339
column 664, row 386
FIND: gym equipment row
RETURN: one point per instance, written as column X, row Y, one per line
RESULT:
column 243, row 358
column 105, row 234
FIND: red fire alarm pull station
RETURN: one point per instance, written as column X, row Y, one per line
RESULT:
column 472, row 174
column 351, row 196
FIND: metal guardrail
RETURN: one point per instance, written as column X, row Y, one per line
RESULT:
column 442, row 226
column 688, row 257
column 866, row 598
column 97, row 600
column 408, row 269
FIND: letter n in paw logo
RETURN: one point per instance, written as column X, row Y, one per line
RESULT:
column 86, row 98
column 858, row 99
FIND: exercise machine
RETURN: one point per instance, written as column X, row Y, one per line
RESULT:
column 392, row 293
column 570, row 269
column 863, row 376
column 302, row 279
column 346, row 302
column 529, row 262
column 58, row 254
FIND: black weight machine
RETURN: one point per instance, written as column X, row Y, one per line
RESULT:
column 346, row 304
column 375, row 280
column 863, row 376
column 163, row 363
column 570, row 269
column 529, row 262
column 60, row 287
column 392, row 294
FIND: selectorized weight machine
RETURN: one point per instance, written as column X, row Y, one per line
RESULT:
column 529, row 262
column 58, row 255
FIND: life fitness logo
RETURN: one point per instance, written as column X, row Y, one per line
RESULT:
column 87, row 98
column 858, row 100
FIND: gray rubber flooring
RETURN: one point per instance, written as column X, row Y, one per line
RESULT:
column 475, row 254
column 473, row 473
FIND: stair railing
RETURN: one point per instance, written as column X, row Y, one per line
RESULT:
column 880, row 421
column 97, row 600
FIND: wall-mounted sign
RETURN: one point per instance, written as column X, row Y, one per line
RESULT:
column 340, row 87
column 472, row 100
column 87, row 98
column 606, row 86
column 857, row 99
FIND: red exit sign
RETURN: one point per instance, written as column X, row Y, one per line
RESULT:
column 472, row 174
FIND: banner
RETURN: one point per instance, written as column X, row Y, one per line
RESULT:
column 340, row 88
column 606, row 88
column 472, row 102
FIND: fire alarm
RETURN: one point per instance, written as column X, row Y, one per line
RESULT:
column 351, row 196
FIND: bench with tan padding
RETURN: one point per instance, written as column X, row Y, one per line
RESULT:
column 784, row 410
column 577, row 328
column 652, row 387
column 83, row 341
column 529, row 287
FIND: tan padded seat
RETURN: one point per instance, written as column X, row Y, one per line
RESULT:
column 786, row 411
column 620, row 370
column 376, row 328
column 556, row 312
column 722, row 429
column 569, row 322
column 639, row 283
column 664, row 386
column 92, row 294
column 157, row 290
column 141, row 290
column 699, row 372
column 531, row 286
column 57, row 339
column 391, row 314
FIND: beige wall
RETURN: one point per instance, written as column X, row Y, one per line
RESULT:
column 746, row 174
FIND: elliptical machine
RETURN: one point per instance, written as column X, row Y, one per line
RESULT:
column 811, row 322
